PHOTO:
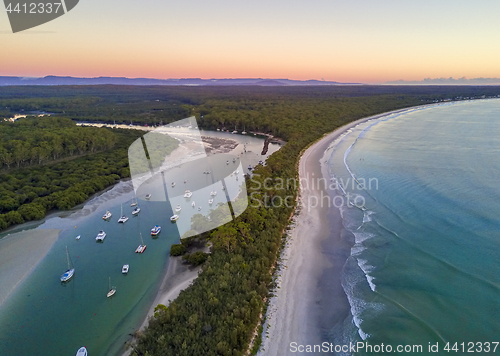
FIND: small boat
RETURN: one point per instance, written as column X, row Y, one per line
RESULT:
column 156, row 230
column 66, row 276
column 125, row 269
column 210, row 201
column 136, row 211
column 188, row 194
column 185, row 181
column 244, row 133
column 174, row 218
column 141, row 247
column 193, row 204
column 227, row 162
column 234, row 160
column 199, row 208
column 213, row 193
column 100, row 236
column 178, row 208
column 112, row 290
column 134, row 203
column 249, row 167
column 107, row 215
column 82, row 351
column 148, row 196
column 237, row 172
column 123, row 219
column 173, row 184
column 235, row 132
column 78, row 237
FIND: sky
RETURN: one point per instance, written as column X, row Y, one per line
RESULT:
column 346, row 41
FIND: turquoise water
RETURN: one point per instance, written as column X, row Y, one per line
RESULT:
column 426, row 229
column 45, row 317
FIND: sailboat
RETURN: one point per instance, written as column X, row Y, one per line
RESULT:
column 123, row 218
column 136, row 211
column 107, row 215
column 112, row 290
column 66, row 276
column 82, row 351
column 141, row 247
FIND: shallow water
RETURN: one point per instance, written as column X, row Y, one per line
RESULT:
column 423, row 189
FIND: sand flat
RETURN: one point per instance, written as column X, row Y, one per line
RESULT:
column 20, row 253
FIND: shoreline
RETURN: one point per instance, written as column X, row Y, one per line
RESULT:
column 309, row 299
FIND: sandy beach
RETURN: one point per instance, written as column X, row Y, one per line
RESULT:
column 178, row 276
column 19, row 255
column 309, row 299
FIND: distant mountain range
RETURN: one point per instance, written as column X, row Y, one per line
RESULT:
column 57, row 80
column 448, row 81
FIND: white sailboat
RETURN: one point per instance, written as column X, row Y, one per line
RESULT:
column 82, row 351
column 136, row 210
column 123, row 218
column 141, row 247
column 112, row 290
column 66, row 276
column 100, row 236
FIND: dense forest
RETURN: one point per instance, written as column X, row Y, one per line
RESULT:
column 48, row 163
column 220, row 312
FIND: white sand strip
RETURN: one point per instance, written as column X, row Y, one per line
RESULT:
column 293, row 312
column 20, row 253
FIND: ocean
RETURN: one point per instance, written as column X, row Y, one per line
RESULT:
column 421, row 199
column 45, row 317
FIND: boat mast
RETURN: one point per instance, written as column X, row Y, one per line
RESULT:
column 67, row 256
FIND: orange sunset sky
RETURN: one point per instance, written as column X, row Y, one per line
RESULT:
column 345, row 41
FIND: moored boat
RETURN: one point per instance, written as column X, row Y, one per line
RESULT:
column 123, row 218
column 112, row 290
column 82, row 351
column 210, row 201
column 66, row 276
column 187, row 194
column 100, row 236
column 136, row 211
column 107, row 215
column 141, row 247
column 125, row 269
column 174, row 218
column 148, row 196
column 156, row 230
column 178, row 208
